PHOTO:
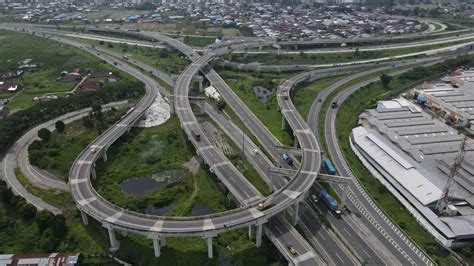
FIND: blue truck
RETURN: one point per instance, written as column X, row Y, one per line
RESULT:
column 329, row 167
column 331, row 203
column 287, row 159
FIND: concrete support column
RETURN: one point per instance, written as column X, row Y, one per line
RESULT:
column 85, row 219
column 94, row 176
column 104, row 155
column 230, row 56
column 283, row 122
column 251, row 231
column 163, row 242
column 245, row 53
column 344, row 196
column 202, row 104
column 258, row 237
column 296, row 143
column 278, row 51
column 156, row 247
column 295, row 214
column 209, row 247
column 201, row 89
column 114, row 244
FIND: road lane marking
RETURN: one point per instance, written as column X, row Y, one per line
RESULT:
column 157, row 226
column 114, row 218
column 291, row 194
column 77, row 181
column 84, row 202
column 208, row 225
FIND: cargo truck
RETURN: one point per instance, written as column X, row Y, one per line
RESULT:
column 287, row 159
column 331, row 203
column 329, row 167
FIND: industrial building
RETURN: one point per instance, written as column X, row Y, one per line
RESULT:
column 452, row 99
column 411, row 152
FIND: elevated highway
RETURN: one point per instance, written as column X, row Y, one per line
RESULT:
column 88, row 201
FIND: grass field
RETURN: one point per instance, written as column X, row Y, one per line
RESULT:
column 168, row 61
column 242, row 84
column 62, row 149
column 304, row 96
column 53, row 58
column 346, row 120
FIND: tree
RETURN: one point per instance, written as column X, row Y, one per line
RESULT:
column 60, row 126
column 27, row 211
column 5, row 192
column 385, row 79
column 44, row 219
column 221, row 105
column 48, row 241
column 44, row 134
column 58, row 225
column 87, row 122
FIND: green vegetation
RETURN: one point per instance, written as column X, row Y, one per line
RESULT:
column 346, row 120
column 12, row 126
column 168, row 61
column 242, row 84
column 59, row 152
column 53, row 59
column 330, row 58
column 198, row 41
column 304, row 95
column 45, row 232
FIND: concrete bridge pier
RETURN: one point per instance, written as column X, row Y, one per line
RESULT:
column 345, row 191
column 209, row 247
column 93, row 174
column 251, row 232
column 258, row 237
column 114, row 243
column 296, row 143
column 295, row 213
column 104, row 155
column 283, row 122
column 85, row 219
column 157, row 247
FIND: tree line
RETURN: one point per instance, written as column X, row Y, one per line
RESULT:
column 13, row 126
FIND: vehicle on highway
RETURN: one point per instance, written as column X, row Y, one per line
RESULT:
column 254, row 152
column 314, row 198
column 264, row 205
column 331, row 203
column 329, row 167
column 287, row 159
column 196, row 136
column 334, row 104
column 285, row 94
column 292, row 250
column 93, row 150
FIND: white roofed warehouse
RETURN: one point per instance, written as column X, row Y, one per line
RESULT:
column 411, row 152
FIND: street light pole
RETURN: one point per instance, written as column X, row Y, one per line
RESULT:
column 243, row 140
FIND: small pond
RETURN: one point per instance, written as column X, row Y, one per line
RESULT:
column 140, row 185
column 262, row 93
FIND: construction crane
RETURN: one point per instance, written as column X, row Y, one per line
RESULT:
column 443, row 202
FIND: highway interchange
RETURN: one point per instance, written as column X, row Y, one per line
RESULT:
column 113, row 217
